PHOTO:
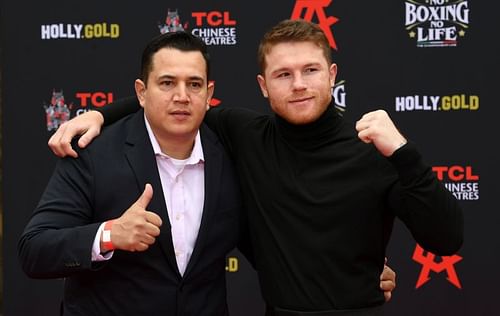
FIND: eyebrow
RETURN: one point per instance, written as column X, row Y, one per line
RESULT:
column 191, row 78
column 279, row 70
column 288, row 69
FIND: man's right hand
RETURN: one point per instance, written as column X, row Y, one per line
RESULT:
column 88, row 125
column 137, row 228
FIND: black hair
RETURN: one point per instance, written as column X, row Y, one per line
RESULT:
column 180, row 40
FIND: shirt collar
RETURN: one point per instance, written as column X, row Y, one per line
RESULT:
column 196, row 154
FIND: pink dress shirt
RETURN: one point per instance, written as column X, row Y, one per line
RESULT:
column 183, row 185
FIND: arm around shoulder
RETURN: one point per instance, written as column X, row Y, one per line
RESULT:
column 88, row 126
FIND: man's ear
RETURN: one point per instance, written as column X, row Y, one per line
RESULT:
column 210, row 92
column 333, row 74
column 140, row 91
column 262, row 83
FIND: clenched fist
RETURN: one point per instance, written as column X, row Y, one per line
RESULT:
column 376, row 127
column 137, row 228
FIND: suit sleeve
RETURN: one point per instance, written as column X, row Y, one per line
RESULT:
column 119, row 109
column 57, row 240
column 428, row 209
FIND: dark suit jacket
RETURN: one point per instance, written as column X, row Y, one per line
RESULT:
column 100, row 185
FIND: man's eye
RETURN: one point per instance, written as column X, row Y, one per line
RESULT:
column 311, row 69
column 166, row 83
column 283, row 75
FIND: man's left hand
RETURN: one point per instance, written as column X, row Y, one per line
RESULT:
column 387, row 282
column 377, row 127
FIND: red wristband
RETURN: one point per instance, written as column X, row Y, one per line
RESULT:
column 106, row 236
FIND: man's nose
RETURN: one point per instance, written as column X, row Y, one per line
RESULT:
column 181, row 93
column 298, row 82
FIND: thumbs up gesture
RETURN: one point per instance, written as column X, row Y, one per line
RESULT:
column 137, row 228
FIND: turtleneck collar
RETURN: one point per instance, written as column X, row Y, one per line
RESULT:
column 312, row 134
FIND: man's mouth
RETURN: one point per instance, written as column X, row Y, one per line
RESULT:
column 180, row 114
column 300, row 100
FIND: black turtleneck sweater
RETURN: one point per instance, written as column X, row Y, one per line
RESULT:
column 321, row 206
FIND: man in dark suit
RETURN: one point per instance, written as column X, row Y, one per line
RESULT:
column 141, row 223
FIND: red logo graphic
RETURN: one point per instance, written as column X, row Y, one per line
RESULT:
column 215, row 102
column 213, row 18
column 97, row 99
column 57, row 112
column 455, row 173
column 172, row 23
column 316, row 7
column 426, row 259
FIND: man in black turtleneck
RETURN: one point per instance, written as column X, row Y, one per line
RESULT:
column 321, row 193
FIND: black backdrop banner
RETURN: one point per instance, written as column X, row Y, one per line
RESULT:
column 433, row 65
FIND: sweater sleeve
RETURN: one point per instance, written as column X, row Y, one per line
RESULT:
column 421, row 201
column 119, row 109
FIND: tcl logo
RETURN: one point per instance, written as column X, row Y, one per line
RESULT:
column 97, row 99
column 455, row 173
column 213, row 18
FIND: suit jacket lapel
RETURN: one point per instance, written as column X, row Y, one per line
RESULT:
column 140, row 155
column 213, row 170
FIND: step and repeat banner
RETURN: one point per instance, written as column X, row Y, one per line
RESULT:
column 432, row 64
